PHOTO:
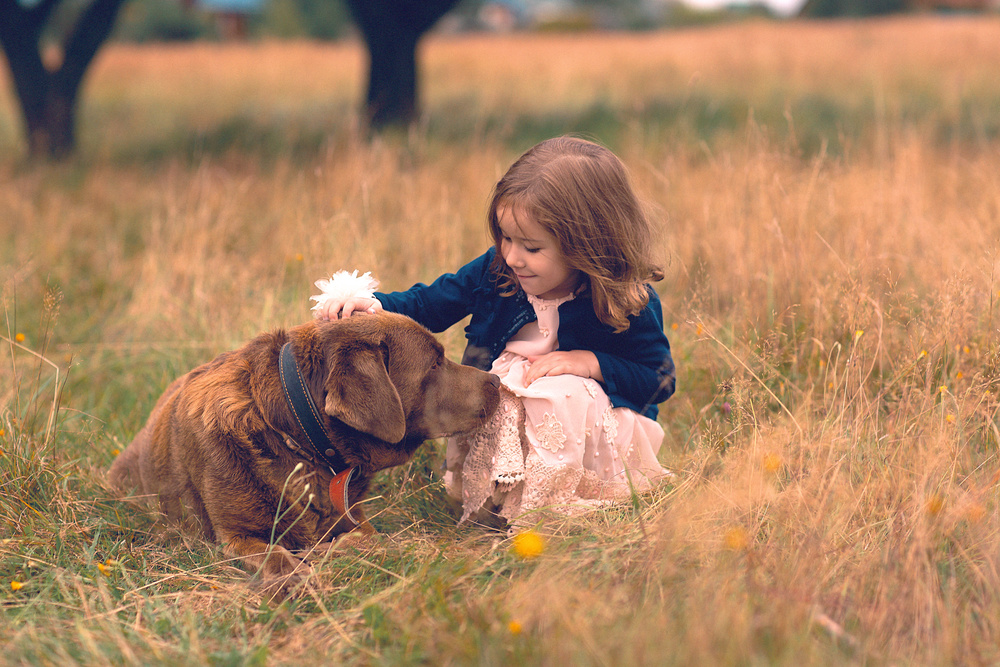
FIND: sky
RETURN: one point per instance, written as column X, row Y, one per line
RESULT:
column 784, row 7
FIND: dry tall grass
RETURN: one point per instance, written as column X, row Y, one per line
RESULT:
column 830, row 202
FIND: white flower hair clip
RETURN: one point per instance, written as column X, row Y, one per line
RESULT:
column 343, row 286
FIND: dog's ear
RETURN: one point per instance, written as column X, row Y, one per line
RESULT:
column 360, row 393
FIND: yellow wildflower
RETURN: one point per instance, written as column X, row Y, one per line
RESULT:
column 772, row 462
column 736, row 539
column 19, row 337
column 15, row 585
column 528, row 544
column 514, row 627
column 858, row 334
column 950, row 418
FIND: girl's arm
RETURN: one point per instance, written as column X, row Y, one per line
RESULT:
column 636, row 365
column 445, row 301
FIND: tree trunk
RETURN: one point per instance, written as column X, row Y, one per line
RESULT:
column 392, row 30
column 48, row 97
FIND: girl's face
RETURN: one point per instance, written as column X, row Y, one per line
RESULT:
column 534, row 257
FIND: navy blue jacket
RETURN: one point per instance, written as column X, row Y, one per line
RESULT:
column 636, row 364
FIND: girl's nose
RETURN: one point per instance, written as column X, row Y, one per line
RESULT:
column 514, row 258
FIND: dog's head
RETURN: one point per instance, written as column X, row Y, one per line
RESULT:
column 387, row 376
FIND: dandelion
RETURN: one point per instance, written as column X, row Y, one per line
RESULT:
column 675, row 326
column 965, row 349
column 15, row 585
column 19, row 337
column 950, row 418
column 106, row 567
column 528, row 545
column 959, row 375
column 736, row 539
column 923, row 353
column 2, row 433
column 514, row 628
column 772, row 462
column 115, row 452
column 942, row 389
column 858, row 334
column 934, row 505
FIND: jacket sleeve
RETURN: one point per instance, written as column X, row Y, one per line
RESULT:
column 638, row 366
column 442, row 303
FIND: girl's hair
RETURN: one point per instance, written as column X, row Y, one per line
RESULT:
column 579, row 192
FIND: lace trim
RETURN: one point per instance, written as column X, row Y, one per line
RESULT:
column 550, row 433
column 495, row 464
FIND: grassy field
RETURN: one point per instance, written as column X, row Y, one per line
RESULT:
column 829, row 196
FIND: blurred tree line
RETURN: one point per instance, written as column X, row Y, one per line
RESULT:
column 835, row 8
column 169, row 20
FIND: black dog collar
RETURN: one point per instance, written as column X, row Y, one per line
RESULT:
column 303, row 407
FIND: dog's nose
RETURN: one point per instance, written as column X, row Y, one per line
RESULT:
column 495, row 380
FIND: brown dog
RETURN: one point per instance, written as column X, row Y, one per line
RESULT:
column 222, row 444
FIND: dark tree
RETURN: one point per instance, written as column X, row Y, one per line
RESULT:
column 48, row 94
column 392, row 29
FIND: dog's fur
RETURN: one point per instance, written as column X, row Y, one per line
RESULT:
column 214, row 447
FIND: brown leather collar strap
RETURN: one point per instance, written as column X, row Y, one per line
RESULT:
column 339, row 494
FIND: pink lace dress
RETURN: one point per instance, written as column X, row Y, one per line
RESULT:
column 557, row 444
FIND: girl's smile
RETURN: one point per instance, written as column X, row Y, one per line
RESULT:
column 534, row 256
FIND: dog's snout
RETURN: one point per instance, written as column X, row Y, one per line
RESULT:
column 494, row 380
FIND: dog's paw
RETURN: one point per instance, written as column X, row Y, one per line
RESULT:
column 282, row 575
column 277, row 590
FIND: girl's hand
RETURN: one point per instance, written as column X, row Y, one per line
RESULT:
column 575, row 362
column 332, row 309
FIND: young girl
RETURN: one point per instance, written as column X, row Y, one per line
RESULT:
column 563, row 313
